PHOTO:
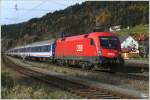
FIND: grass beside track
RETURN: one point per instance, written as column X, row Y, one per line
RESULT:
column 102, row 77
column 17, row 86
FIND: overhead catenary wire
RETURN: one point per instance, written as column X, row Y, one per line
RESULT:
column 58, row 3
column 35, row 8
column 29, row 11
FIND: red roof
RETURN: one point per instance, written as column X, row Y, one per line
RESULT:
column 140, row 37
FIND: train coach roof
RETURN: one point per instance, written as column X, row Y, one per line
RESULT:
column 40, row 43
column 47, row 42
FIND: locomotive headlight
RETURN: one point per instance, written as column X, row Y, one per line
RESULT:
column 100, row 53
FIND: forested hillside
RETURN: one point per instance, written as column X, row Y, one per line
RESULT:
column 76, row 19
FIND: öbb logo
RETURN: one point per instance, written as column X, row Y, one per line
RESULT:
column 79, row 47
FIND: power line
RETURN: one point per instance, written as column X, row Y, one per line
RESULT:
column 59, row 3
column 22, row 17
column 32, row 9
column 29, row 9
column 9, row 19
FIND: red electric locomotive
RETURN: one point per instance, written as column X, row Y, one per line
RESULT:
column 88, row 50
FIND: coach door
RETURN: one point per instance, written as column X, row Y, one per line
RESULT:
column 53, row 49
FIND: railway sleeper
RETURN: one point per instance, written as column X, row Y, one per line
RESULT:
column 94, row 92
column 93, row 96
column 100, row 97
column 86, row 90
column 97, row 93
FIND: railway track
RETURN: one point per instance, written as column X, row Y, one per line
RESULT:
column 126, row 75
column 77, row 88
column 120, row 74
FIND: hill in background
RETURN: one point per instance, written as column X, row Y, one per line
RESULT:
column 78, row 19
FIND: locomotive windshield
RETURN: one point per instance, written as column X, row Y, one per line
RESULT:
column 109, row 42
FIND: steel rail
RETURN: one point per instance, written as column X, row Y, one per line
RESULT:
column 120, row 74
column 77, row 88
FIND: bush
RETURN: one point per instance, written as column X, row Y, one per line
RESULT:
column 6, row 80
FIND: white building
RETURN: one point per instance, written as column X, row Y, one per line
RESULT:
column 115, row 28
column 128, row 42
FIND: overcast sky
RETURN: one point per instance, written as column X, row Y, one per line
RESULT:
column 15, row 11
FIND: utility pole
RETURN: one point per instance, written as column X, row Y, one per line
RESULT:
column 16, row 10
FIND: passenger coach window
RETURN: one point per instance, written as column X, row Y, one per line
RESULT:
column 49, row 47
column 92, row 42
column 46, row 48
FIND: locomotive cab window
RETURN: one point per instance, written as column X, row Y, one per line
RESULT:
column 109, row 42
column 92, row 42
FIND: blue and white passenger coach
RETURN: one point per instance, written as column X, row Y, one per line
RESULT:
column 43, row 49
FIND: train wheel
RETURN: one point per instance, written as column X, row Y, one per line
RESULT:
column 85, row 66
column 63, row 62
column 94, row 67
column 67, row 63
column 120, row 65
column 57, row 62
column 60, row 62
column 121, row 62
